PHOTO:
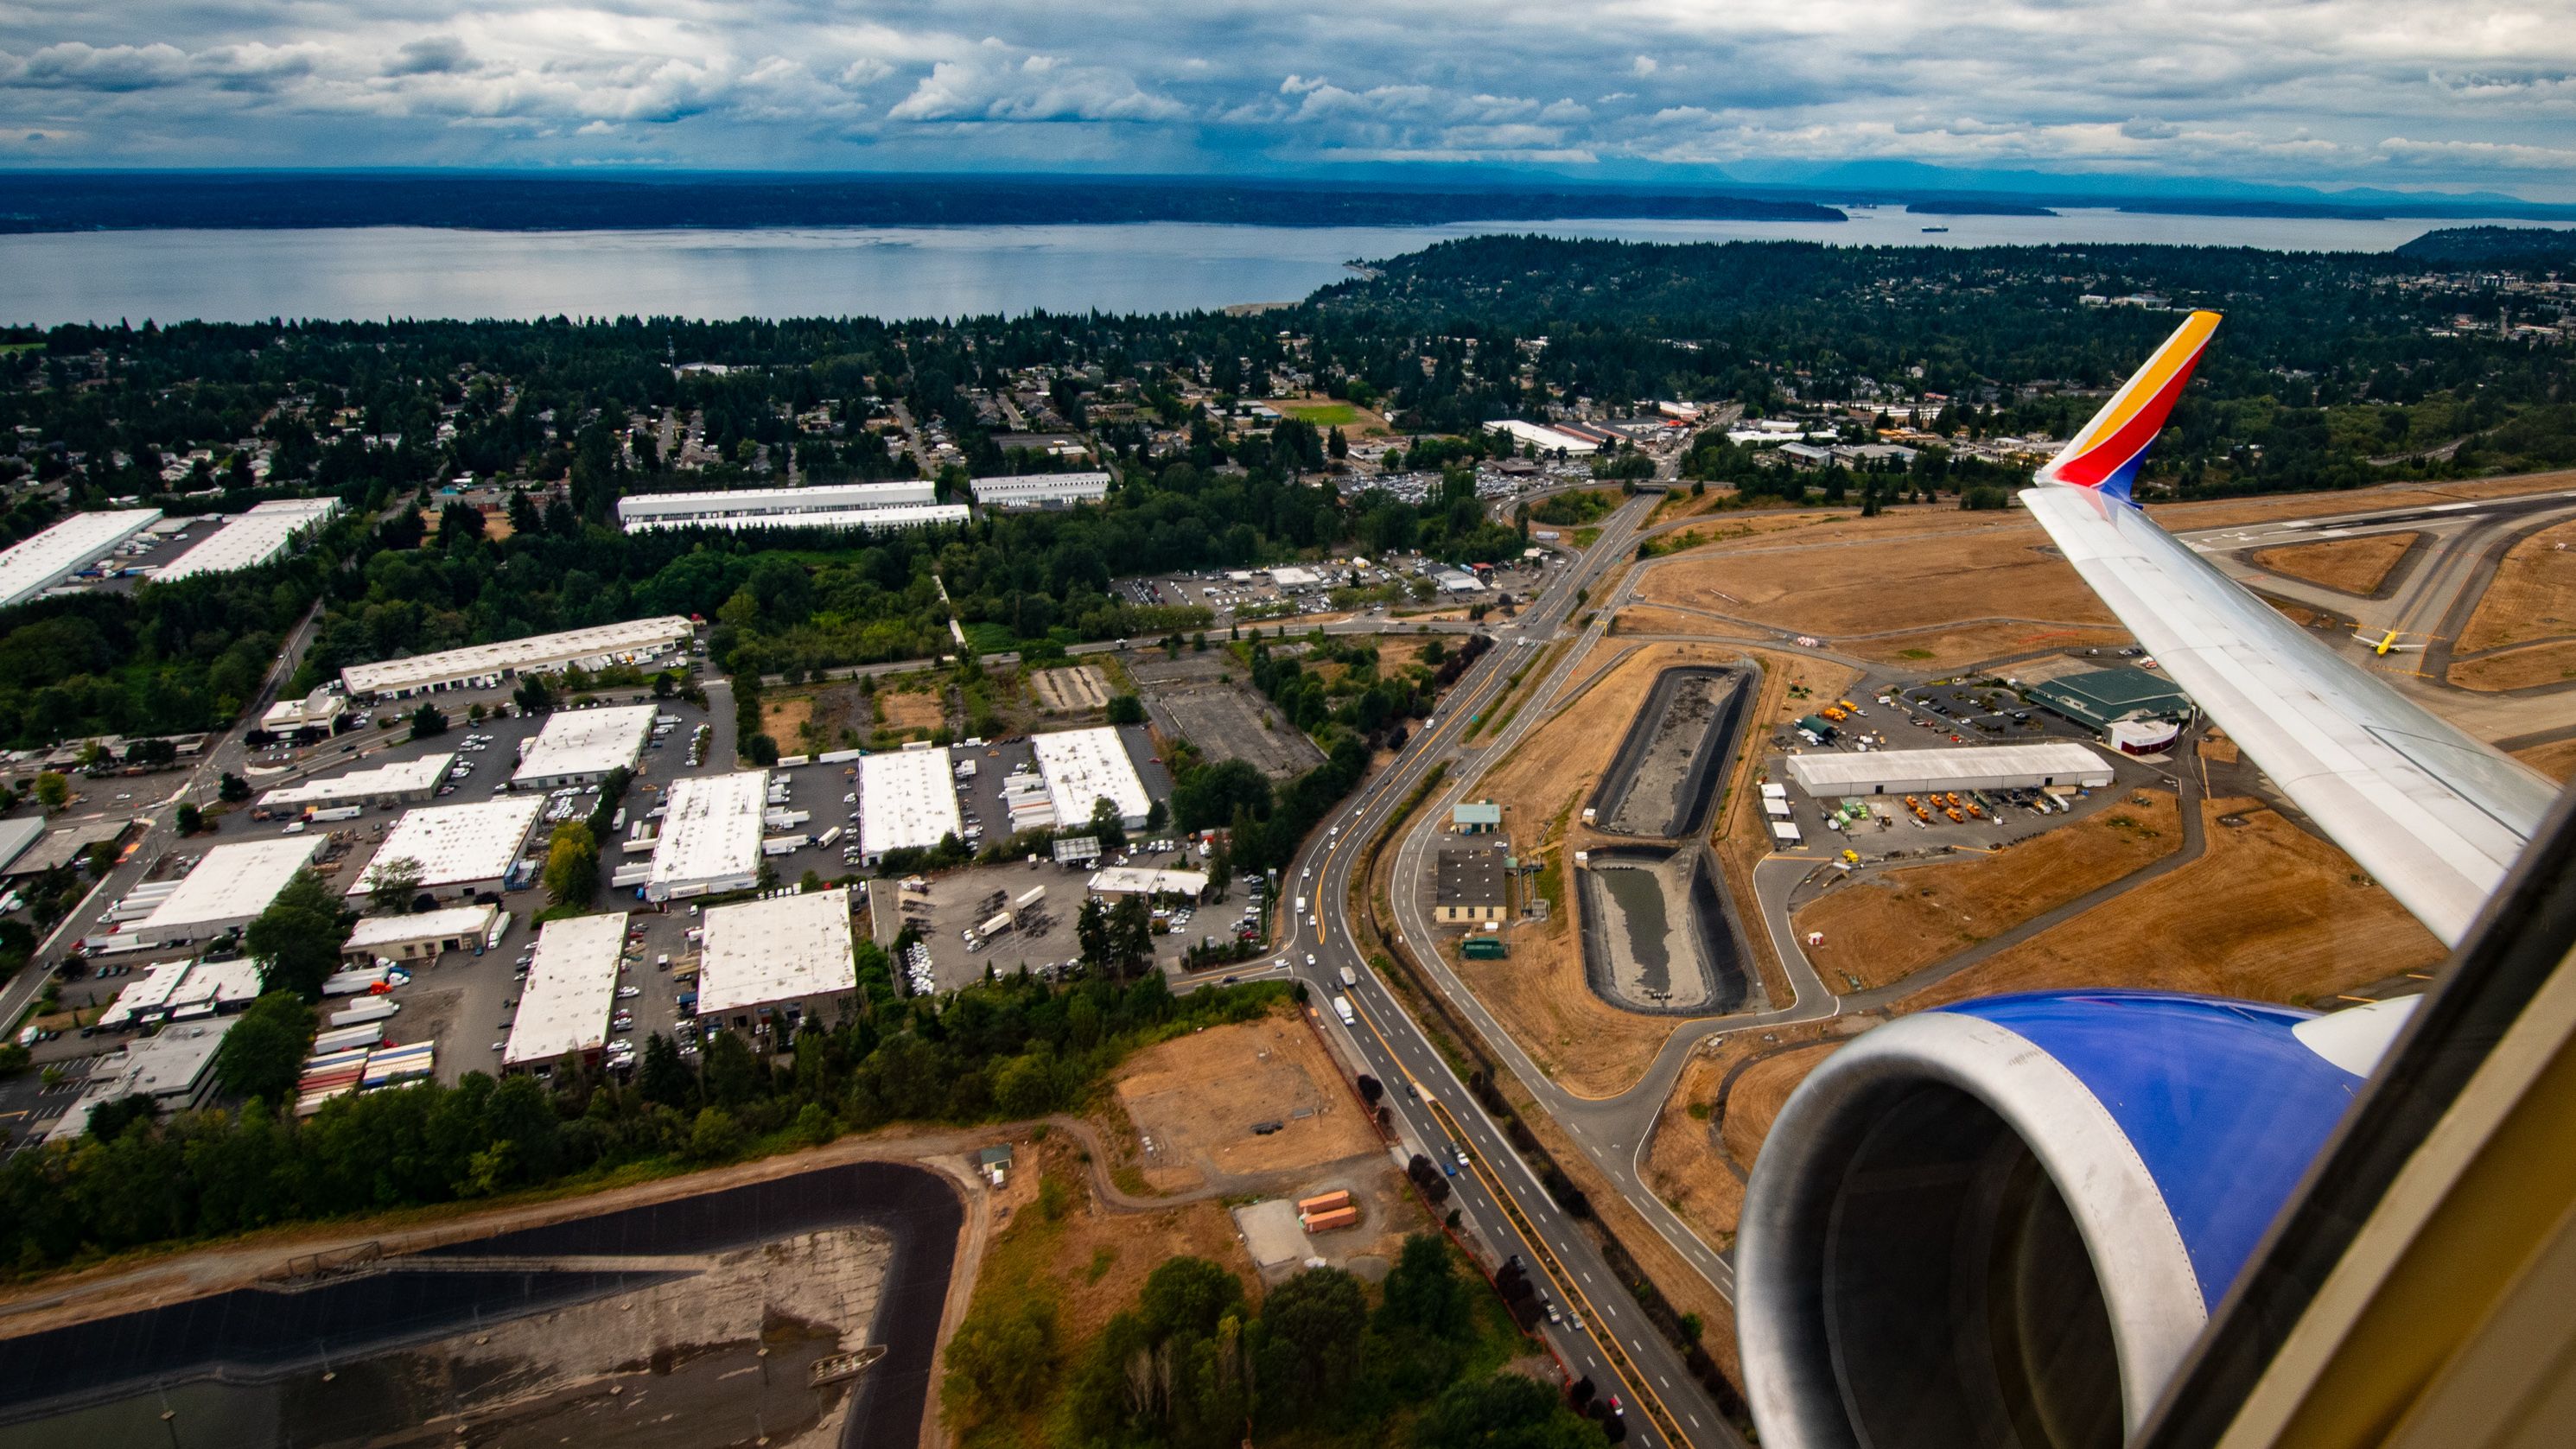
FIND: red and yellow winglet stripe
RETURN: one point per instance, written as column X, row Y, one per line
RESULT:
column 2107, row 451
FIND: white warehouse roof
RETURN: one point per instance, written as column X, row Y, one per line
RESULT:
column 571, row 985
column 230, row 884
column 1084, row 766
column 1548, row 439
column 786, row 948
column 252, row 538
column 907, row 799
column 540, row 652
column 923, row 515
column 457, row 844
column 376, row 932
column 2044, row 762
column 403, row 777
column 586, row 742
column 37, row 563
column 710, row 834
column 1032, row 489
column 742, row 502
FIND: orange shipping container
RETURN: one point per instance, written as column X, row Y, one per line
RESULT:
column 1308, row 1206
column 1341, row 1217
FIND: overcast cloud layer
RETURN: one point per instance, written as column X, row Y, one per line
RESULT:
column 2394, row 93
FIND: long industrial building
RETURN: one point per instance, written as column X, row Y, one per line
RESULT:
column 582, row 746
column 228, row 886
column 1990, row 767
column 404, row 782
column 673, row 510
column 571, row 987
column 868, row 520
column 788, row 955
column 710, row 838
column 1041, row 490
column 250, row 539
column 484, row 666
column 462, row 850
column 40, row 561
column 1084, row 767
column 907, row 801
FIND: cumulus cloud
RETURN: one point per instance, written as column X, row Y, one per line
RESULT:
column 2322, row 90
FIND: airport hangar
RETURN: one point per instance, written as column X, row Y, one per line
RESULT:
column 463, row 850
column 785, row 956
column 2101, row 698
column 2037, row 765
column 710, row 838
column 582, row 746
column 484, row 666
column 570, row 990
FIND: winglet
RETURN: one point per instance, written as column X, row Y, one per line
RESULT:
column 2107, row 451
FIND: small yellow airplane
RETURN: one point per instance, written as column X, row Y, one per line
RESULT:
column 2385, row 643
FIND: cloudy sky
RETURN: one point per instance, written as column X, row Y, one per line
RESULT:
column 2390, row 93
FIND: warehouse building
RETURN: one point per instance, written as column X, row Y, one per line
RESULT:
column 774, row 507
column 404, row 782
column 907, row 801
column 710, row 838
column 229, row 885
column 1083, row 767
column 15, row 836
column 175, row 1068
column 581, row 746
column 571, row 988
column 1476, row 817
column 2100, row 698
column 2034, row 766
column 863, row 520
column 462, row 851
column 40, row 561
column 1132, row 880
column 786, row 957
column 250, row 539
column 1546, row 439
column 1041, row 490
column 1467, row 887
column 421, row 937
column 485, row 666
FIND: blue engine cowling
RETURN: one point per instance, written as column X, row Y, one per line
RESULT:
column 2003, row 1222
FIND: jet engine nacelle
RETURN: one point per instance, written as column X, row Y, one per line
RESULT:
column 2002, row 1223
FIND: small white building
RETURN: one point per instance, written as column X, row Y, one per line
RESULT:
column 570, row 990
column 228, row 886
column 786, row 956
column 404, row 782
column 581, row 746
column 462, row 850
column 1129, row 880
column 174, row 1068
column 421, row 937
column 710, row 840
column 907, row 801
column 1083, row 767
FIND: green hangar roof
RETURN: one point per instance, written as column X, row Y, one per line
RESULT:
column 2099, row 697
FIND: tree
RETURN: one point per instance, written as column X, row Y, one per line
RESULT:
column 1126, row 709
column 1107, row 825
column 572, row 865
column 460, row 524
column 533, row 696
column 1091, row 932
column 1424, row 1293
column 1503, row 1411
column 53, row 791
column 1002, row 1360
column 391, row 884
column 1312, row 1328
column 664, row 1079
column 190, row 819
column 297, row 940
column 428, row 721
column 263, row 1054
column 1131, row 934
column 714, row 1136
column 1188, row 1295
column 233, row 789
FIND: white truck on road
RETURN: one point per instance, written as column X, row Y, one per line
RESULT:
column 1342, row 1008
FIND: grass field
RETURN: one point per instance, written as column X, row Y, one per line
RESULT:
column 2533, row 596
column 1323, row 413
column 2348, row 565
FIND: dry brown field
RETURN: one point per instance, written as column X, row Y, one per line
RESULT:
column 2551, row 663
column 2237, row 512
column 781, row 718
column 2270, row 913
column 1884, row 927
column 922, row 710
column 2348, row 565
column 1198, row 1097
column 2533, row 595
column 2556, row 759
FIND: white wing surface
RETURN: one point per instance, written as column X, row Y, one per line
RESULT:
column 2434, row 815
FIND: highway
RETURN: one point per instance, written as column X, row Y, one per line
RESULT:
column 1498, row 1193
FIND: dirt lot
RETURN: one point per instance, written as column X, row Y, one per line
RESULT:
column 1076, row 688
column 1197, row 1099
column 2350, row 565
column 1711, row 1126
column 1884, row 926
column 912, row 711
column 1874, row 585
column 2552, row 663
column 2533, row 595
column 782, row 717
column 1230, row 722
column 2271, row 912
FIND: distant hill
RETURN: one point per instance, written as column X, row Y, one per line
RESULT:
column 43, row 201
column 2494, row 246
column 1974, row 206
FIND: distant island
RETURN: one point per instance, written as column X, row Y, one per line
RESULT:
column 2493, row 245
column 1974, row 206
column 48, row 201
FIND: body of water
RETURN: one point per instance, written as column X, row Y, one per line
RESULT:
column 898, row 272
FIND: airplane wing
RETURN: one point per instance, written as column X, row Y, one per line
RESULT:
column 2433, row 814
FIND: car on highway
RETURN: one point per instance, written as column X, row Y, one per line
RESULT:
column 1310, row 958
